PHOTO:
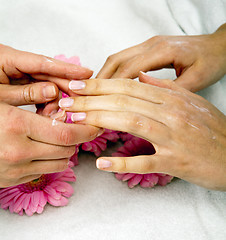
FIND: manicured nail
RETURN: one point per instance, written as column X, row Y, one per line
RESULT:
column 49, row 92
column 76, row 85
column 66, row 102
column 78, row 117
column 59, row 116
column 101, row 163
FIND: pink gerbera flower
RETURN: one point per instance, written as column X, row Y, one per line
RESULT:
column 73, row 60
column 99, row 144
column 32, row 197
column 138, row 146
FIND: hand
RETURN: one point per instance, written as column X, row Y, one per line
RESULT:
column 199, row 61
column 31, row 146
column 22, row 69
column 188, row 132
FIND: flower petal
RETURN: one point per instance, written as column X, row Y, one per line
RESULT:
column 135, row 180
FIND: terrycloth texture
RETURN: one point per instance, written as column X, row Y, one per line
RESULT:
column 103, row 208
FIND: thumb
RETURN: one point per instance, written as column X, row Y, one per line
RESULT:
column 34, row 93
column 162, row 83
column 138, row 164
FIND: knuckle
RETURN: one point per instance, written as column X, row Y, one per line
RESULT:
column 97, row 86
column 84, row 103
column 69, row 151
column 12, row 156
column 28, row 94
column 120, row 100
column 134, row 122
column 66, row 136
column 97, row 120
column 62, row 165
column 145, row 166
column 112, row 58
column 123, row 68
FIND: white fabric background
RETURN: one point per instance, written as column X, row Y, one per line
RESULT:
column 102, row 207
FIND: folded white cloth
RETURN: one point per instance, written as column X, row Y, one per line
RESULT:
column 103, row 208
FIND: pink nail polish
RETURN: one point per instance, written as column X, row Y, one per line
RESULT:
column 78, row 117
column 66, row 102
column 76, row 85
column 101, row 163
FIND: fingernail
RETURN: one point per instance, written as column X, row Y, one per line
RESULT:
column 59, row 116
column 66, row 102
column 76, row 85
column 101, row 163
column 49, row 92
column 143, row 73
column 78, row 116
column 101, row 131
column 53, row 113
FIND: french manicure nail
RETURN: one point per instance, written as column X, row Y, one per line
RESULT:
column 49, row 92
column 101, row 163
column 78, row 117
column 66, row 102
column 76, row 85
column 59, row 116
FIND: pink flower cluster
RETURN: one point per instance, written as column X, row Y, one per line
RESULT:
column 32, row 197
column 134, row 146
column 53, row 188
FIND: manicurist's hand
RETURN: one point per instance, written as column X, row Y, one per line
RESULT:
column 199, row 61
column 19, row 70
column 30, row 145
column 188, row 132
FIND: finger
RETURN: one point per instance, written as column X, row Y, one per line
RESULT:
column 134, row 123
column 138, row 164
column 46, row 130
column 61, row 83
column 45, row 167
column 116, row 102
column 51, row 108
column 31, row 63
column 162, row 83
column 195, row 79
column 28, row 94
column 115, row 60
column 119, row 86
column 43, row 151
column 153, row 59
column 27, row 179
column 3, row 77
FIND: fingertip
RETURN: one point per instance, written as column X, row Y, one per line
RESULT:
column 103, row 164
column 85, row 73
column 50, row 91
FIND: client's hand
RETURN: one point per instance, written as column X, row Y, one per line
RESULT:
column 188, row 132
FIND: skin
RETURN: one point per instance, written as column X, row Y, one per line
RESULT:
column 30, row 145
column 188, row 132
column 199, row 61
